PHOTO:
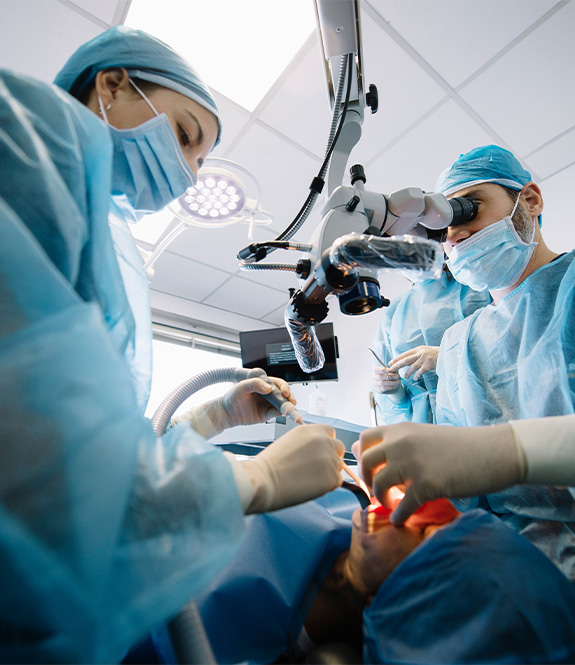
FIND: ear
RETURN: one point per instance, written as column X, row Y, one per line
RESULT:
column 111, row 81
column 532, row 199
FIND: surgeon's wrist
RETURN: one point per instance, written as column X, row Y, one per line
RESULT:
column 208, row 420
column 398, row 395
column 242, row 480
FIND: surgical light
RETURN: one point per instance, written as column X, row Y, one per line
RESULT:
column 225, row 193
column 213, row 197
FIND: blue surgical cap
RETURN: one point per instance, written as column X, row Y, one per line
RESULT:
column 145, row 57
column 488, row 163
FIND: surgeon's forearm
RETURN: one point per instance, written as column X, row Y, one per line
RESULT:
column 549, row 447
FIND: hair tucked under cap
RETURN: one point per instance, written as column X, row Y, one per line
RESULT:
column 488, row 163
column 144, row 56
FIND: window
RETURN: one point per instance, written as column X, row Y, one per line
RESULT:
column 174, row 363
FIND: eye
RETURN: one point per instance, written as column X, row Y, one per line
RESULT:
column 185, row 138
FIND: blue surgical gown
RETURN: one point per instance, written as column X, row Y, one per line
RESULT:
column 105, row 530
column 511, row 361
column 419, row 317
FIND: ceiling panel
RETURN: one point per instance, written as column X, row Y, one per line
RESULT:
column 420, row 156
column 38, row 36
column 244, row 296
column 105, row 10
column 554, row 156
column 283, row 171
column 300, row 108
column 528, row 96
column 406, row 91
column 215, row 247
column 456, row 37
column 234, row 119
column 186, row 278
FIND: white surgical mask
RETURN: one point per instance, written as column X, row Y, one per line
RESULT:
column 493, row 258
column 149, row 167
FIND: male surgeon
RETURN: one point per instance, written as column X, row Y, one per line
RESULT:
column 510, row 361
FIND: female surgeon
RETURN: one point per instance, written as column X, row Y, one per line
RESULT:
column 106, row 530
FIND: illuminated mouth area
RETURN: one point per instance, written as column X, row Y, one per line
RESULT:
column 439, row 511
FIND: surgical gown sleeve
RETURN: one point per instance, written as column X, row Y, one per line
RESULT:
column 105, row 530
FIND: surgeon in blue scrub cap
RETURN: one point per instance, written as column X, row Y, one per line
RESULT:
column 505, row 372
column 107, row 530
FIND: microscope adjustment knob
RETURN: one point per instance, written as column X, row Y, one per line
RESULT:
column 372, row 98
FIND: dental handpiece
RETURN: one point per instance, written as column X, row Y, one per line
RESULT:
column 283, row 405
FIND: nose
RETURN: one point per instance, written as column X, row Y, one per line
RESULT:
column 456, row 234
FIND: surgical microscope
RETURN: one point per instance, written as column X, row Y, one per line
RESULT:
column 361, row 231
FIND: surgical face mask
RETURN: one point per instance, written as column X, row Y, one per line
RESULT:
column 149, row 167
column 493, row 258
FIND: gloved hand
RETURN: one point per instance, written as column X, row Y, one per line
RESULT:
column 418, row 361
column 301, row 465
column 383, row 380
column 241, row 405
column 434, row 461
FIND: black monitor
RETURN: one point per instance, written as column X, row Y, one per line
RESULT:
column 272, row 350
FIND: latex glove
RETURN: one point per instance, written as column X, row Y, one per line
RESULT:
column 241, row 405
column 383, row 380
column 418, row 361
column 301, row 465
column 434, row 461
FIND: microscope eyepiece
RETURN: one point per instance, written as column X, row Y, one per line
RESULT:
column 464, row 210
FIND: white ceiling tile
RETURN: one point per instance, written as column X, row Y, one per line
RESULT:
column 280, row 280
column 528, row 96
column 215, row 247
column 105, row 10
column 300, row 108
column 246, row 297
column 38, row 36
column 234, row 119
column 554, row 156
column 420, row 156
column 558, row 227
column 386, row 65
column 185, row 278
column 275, row 318
column 458, row 37
column 283, row 171
column 406, row 91
column 202, row 312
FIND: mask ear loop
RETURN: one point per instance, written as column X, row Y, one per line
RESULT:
column 103, row 110
column 513, row 212
column 143, row 96
column 516, row 205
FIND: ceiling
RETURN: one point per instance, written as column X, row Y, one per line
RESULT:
column 451, row 75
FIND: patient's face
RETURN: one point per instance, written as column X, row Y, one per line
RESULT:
column 378, row 547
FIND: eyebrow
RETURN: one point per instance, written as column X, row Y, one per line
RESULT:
column 200, row 130
column 473, row 192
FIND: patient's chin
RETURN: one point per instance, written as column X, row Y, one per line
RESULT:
column 377, row 548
